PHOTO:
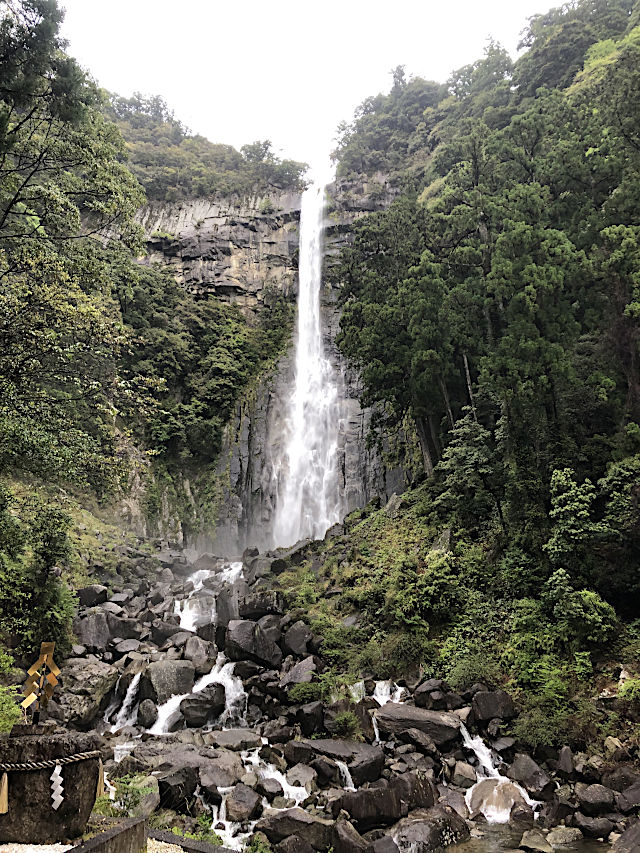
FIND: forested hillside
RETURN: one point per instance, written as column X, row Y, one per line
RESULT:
column 101, row 359
column 496, row 303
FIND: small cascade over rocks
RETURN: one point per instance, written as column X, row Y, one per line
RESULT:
column 495, row 795
column 129, row 711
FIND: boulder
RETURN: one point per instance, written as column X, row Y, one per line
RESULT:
column 91, row 596
column 310, row 717
column 93, row 631
column 621, row 778
column 177, row 788
column 492, row 704
column 629, row 841
column 236, row 739
column 86, row 684
column 296, row 639
column 464, row 776
column 245, row 640
column 197, row 708
column 280, row 825
column 629, row 799
column 531, row 776
column 269, row 788
column 396, row 717
column 594, row 799
column 147, row 713
column 534, row 840
column 293, row 844
column 386, row 844
column 201, row 653
column 255, row 605
column 426, row 830
column 346, row 839
column 371, row 808
column 149, row 795
column 30, row 818
column 223, row 771
column 593, row 827
column 564, row 766
column 166, row 678
column 243, row 804
column 301, row 673
column 561, row 835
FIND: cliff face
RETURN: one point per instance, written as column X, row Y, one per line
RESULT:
column 241, row 254
column 239, row 251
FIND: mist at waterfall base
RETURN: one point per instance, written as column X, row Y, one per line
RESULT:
column 309, row 499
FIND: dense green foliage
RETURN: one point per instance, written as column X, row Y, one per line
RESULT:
column 496, row 303
column 172, row 163
column 98, row 353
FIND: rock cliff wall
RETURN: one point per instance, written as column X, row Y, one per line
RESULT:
column 241, row 253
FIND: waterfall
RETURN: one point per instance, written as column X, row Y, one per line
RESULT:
column 127, row 714
column 345, row 776
column 494, row 795
column 309, row 499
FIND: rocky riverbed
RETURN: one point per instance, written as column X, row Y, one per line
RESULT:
column 194, row 674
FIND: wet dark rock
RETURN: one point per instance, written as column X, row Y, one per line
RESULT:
column 420, row 740
column 327, row 771
column 629, row 799
column 365, row 762
column 270, row 625
column 593, row 827
column 165, row 678
column 441, row 726
column 201, row 653
column 629, row 841
column 86, row 686
column 293, row 844
column 262, row 603
column 535, row 841
column 296, row 639
column 243, row 804
column 371, row 808
column 594, row 799
column 346, row 839
column 316, row 831
column 301, row 673
column 221, row 771
column 277, row 732
column 386, row 844
column 147, row 713
column 426, row 830
column 488, row 705
column 564, row 765
column 91, row 596
column 269, row 788
column 200, row 707
column 531, row 776
column 177, row 788
column 310, row 717
column 449, row 797
column 245, row 640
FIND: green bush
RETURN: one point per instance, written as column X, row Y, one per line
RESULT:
column 475, row 667
column 630, row 690
column 300, row 694
column 9, row 708
column 346, row 725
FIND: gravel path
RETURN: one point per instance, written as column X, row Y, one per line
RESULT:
column 154, row 846
column 35, row 848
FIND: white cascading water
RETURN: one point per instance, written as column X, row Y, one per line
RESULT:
column 494, row 795
column 309, row 499
column 129, row 711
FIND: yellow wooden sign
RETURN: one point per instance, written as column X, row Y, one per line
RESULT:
column 42, row 678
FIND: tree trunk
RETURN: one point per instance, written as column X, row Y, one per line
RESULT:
column 468, row 375
column 445, row 395
column 424, row 446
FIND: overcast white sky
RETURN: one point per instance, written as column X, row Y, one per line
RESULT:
column 285, row 70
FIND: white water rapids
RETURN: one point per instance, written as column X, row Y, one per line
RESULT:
column 309, row 498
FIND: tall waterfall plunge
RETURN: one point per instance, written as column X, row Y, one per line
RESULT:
column 309, row 497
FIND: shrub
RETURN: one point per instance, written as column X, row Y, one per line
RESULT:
column 346, row 725
column 541, row 724
column 476, row 666
column 9, row 708
column 302, row 693
column 630, row 690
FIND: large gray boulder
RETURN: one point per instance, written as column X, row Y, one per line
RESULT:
column 197, row 708
column 365, row 762
column 301, row 673
column 394, row 718
column 531, row 776
column 629, row 841
column 492, row 704
column 426, row 830
column 166, row 678
column 297, row 639
column 245, row 640
column 90, row 596
column 371, row 808
column 243, row 804
column 85, row 687
column 93, row 631
column 595, row 799
column 255, row 605
column 280, row 825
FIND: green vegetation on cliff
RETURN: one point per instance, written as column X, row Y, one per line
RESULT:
column 172, row 164
column 101, row 359
column 496, row 302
